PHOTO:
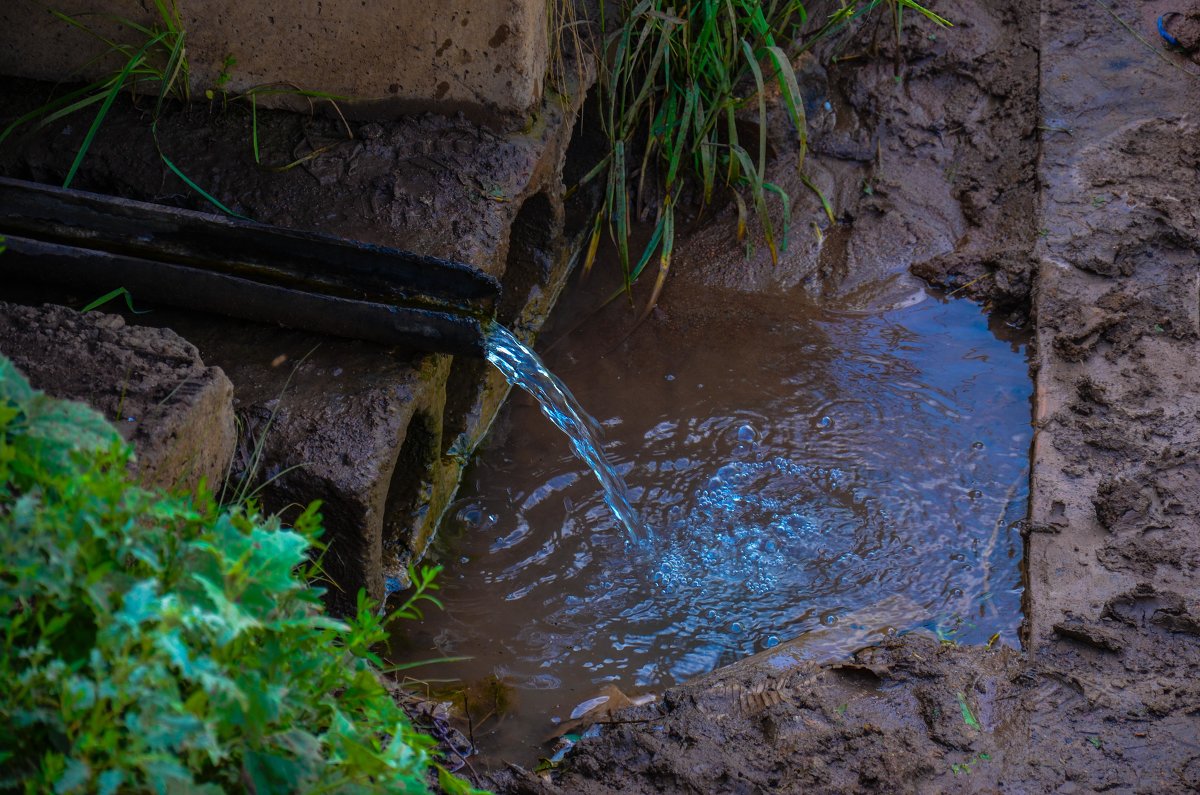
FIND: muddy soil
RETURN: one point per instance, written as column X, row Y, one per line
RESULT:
column 1073, row 202
column 150, row 383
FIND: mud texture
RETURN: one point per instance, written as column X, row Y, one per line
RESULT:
column 379, row 435
column 1074, row 202
column 150, row 383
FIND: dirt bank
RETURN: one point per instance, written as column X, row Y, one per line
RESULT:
column 1074, row 201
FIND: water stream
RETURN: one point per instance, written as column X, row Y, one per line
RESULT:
column 522, row 368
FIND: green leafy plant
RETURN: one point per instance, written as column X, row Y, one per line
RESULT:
column 677, row 76
column 151, row 642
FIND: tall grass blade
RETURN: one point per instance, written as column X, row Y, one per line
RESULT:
column 786, row 201
column 94, row 92
column 760, row 201
column 808, row 183
column 176, row 65
column 117, row 293
column 762, row 109
column 593, row 245
column 792, row 98
column 620, row 210
column 664, row 258
column 214, row 201
column 118, row 84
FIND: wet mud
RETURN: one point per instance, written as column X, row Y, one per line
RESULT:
column 805, row 472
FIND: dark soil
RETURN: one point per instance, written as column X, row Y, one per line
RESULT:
column 149, row 382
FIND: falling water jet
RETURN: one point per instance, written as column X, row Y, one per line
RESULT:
column 522, row 368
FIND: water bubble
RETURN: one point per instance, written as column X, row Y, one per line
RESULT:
column 977, row 446
column 771, row 641
column 746, row 433
column 735, row 628
column 464, row 559
column 824, row 422
column 742, row 450
column 729, row 472
column 890, row 632
column 974, row 494
column 957, row 592
column 669, row 377
column 829, row 619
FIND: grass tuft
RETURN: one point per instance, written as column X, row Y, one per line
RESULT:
column 677, row 77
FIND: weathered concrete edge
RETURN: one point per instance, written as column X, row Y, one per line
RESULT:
column 383, row 56
column 150, row 383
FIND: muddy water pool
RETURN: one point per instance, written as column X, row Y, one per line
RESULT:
column 833, row 473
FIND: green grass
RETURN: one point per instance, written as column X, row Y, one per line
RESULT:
column 676, row 78
column 165, row 643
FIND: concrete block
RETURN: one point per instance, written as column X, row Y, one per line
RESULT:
column 446, row 55
column 149, row 382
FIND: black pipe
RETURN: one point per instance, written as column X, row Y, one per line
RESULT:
column 243, row 269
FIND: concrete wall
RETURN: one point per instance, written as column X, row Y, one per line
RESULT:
column 447, row 54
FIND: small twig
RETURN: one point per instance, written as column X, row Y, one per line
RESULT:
column 470, row 720
column 958, row 290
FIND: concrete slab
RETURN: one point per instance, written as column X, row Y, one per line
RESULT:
column 409, row 53
column 151, row 383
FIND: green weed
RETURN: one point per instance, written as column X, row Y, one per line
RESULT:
column 152, row 642
column 677, row 76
